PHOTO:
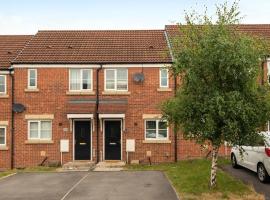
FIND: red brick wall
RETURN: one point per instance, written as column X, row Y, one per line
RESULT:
column 189, row 150
column 5, row 115
column 52, row 99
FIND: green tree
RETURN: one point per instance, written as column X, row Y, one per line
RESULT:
column 220, row 97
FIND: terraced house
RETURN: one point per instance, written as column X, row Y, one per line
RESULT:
column 90, row 96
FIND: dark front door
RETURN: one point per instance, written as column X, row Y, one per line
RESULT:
column 112, row 140
column 82, row 140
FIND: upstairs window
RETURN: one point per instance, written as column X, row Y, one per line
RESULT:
column 32, row 79
column 164, row 78
column 2, row 135
column 268, row 71
column 39, row 130
column 156, row 130
column 3, row 84
column 116, row 79
column 80, row 79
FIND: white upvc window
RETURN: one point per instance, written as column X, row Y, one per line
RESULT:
column 32, row 78
column 156, row 130
column 268, row 71
column 80, row 80
column 39, row 130
column 3, row 84
column 116, row 79
column 164, row 78
column 3, row 136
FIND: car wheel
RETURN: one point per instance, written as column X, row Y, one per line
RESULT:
column 234, row 161
column 262, row 173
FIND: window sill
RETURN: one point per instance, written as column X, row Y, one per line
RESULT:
column 79, row 93
column 157, row 141
column 3, row 148
column 115, row 93
column 164, row 89
column 39, row 142
column 31, row 90
column 4, row 96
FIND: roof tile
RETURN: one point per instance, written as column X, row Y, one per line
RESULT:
column 10, row 46
column 116, row 46
column 261, row 30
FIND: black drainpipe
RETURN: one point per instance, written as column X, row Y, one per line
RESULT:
column 12, row 119
column 175, row 126
column 97, row 114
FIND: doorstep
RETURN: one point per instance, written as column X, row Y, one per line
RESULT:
column 78, row 165
column 109, row 166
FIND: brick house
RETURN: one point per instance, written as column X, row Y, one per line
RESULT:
column 95, row 91
column 9, row 49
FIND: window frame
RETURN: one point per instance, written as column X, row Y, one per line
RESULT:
column 157, row 129
column 29, row 79
column 39, row 129
column 115, row 80
column 268, row 71
column 5, row 84
column 160, row 85
column 81, row 80
column 5, row 135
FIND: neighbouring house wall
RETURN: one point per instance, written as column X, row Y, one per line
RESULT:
column 189, row 150
column 50, row 99
column 5, row 120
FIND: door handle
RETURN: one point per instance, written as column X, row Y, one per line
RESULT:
column 112, row 143
column 82, row 143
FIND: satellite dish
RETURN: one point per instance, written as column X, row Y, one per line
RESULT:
column 18, row 108
column 138, row 77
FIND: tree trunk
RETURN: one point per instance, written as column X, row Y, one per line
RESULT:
column 213, row 179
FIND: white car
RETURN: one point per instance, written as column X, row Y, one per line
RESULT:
column 255, row 158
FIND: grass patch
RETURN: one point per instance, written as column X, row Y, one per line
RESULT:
column 38, row 169
column 28, row 169
column 190, row 178
column 6, row 173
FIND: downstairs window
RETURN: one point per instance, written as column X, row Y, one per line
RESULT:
column 39, row 130
column 2, row 136
column 156, row 130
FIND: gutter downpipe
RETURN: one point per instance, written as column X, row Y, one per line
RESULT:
column 11, row 71
column 97, row 114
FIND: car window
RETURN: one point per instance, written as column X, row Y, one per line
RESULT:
column 267, row 141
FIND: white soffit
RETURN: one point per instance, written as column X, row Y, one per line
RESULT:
column 55, row 66
column 136, row 65
column 90, row 65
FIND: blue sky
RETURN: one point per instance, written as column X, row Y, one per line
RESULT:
column 28, row 16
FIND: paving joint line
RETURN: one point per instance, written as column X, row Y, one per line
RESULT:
column 74, row 186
